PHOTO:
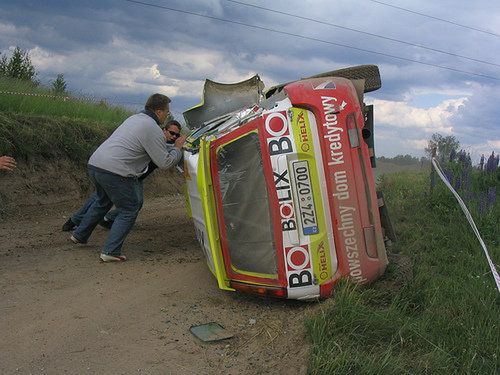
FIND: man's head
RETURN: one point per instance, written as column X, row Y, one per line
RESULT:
column 159, row 105
column 172, row 131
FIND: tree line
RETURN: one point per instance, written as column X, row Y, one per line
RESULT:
column 19, row 66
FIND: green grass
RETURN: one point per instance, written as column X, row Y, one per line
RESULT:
column 12, row 101
column 28, row 137
column 54, row 126
column 436, row 311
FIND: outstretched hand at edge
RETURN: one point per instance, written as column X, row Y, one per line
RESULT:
column 7, row 163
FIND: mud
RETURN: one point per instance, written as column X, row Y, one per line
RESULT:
column 64, row 312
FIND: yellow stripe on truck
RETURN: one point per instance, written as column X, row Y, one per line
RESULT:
column 319, row 243
column 210, row 214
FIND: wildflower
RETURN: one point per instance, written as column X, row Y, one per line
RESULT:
column 457, row 182
column 483, row 204
column 461, row 157
column 453, row 155
column 448, row 174
column 487, row 200
column 491, row 164
column 491, row 196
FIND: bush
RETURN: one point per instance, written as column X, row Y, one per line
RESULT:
column 59, row 85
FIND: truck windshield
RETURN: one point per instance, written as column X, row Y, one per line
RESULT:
column 245, row 205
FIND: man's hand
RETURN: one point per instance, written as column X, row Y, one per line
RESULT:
column 179, row 142
column 7, row 163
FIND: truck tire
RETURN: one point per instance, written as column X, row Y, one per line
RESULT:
column 369, row 73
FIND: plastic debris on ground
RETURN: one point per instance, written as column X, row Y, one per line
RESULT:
column 210, row 332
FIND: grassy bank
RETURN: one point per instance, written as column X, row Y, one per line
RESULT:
column 436, row 311
column 24, row 97
column 29, row 137
column 35, row 123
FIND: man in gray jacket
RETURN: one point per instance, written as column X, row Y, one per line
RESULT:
column 115, row 168
column 172, row 131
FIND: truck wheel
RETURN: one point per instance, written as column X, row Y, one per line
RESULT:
column 369, row 73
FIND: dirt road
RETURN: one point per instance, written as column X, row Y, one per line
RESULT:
column 64, row 312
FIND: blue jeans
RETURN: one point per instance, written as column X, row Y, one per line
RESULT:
column 126, row 194
column 78, row 215
column 111, row 215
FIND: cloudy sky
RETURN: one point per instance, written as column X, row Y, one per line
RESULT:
column 438, row 60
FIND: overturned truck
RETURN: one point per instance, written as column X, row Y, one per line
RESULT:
column 280, row 184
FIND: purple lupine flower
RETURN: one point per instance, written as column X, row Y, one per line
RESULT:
column 453, row 155
column 487, row 200
column 469, row 196
column 461, row 157
column 448, row 174
column 464, row 158
column 491, row 163
column 469, row 160
column 458, row 182
column 491, row 196
column 483, row 204
column 467, row 179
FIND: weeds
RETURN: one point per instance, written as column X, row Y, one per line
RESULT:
column 24, row 97
column 29, row 137
column 442, row 318
column 39, row 123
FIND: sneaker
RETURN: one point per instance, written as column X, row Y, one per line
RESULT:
column 68, row 226
column 111, row 258
column 76, row 240
column 106, row 223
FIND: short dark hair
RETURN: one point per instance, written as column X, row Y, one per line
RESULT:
column 172, row 122
column 157, row 101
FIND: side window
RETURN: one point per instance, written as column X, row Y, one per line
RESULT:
column 246, row 206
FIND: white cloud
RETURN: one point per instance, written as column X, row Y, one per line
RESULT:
column 12, row 35
column 416, row 144
column 155, row 71
column 431, row 120
column 295, row 68
column 414, row 92
column 485, row 148
column 194, row 61
column 204, row 63
column 138, row 78
column 7, row 29
column 45, row 60
column 212, row 7
column 494, row 144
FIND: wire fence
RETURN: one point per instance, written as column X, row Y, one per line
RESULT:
column 467, row 214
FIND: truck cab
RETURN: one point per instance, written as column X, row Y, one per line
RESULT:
column 280, row 185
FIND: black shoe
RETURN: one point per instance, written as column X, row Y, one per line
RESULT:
column 68, row 226
column 106, row 223
column 76, row 241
